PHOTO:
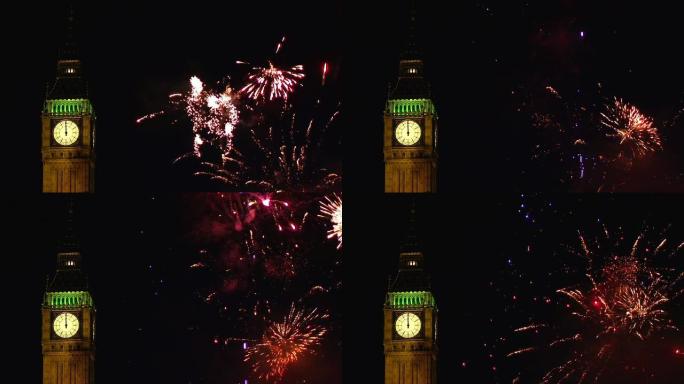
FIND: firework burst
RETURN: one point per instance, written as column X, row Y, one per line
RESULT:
column 284, row 343
column 331, row 209
column 253, row 254
column 271, row 83
column 636, row 133
column 258, row 138
column 247, row 237
column 595, row 145
column 621, row 306
column 213, row 115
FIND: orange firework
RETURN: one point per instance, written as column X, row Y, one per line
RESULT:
column 283, row 343
column 635, row 131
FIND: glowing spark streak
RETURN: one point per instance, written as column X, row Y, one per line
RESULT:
column 565, row 340
column 636, row 245
column 280, row 45
column 585, row 248
column 531, row 327
column 520, row 351
column 660, row 246
column 149, row 117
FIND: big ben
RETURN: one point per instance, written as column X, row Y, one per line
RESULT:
column 68, row 126
column 68, row 321
column 410, row 132
column 410, row 322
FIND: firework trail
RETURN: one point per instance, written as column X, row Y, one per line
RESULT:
column 622, row 304
column 257, row 138
column 284, row 343
column 246, row 236
column 252, row 247
column 331, row 209
column 563, row 130
column 595, row 143
column 634, row 130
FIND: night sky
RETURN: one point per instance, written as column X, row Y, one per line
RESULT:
column 487, row 283
column 483, row 58
column 165, row 274
column 154, row 322
column 137, row 53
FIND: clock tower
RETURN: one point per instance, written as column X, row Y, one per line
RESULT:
column 68, row 325
column 410, row 322
column 410, row 134
column 68, row 127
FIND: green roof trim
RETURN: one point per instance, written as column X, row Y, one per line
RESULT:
column 410, row 299
column 70, row 107
column 68, row 299
column 408, row 107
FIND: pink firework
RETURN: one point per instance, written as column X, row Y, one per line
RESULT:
column 272, row 83
column 635, row 131
column 252, row 146
column 284, row 343
column 213, row 115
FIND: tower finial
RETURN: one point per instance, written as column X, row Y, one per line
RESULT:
column 68, row 50
column 411, row 241
column 411, row 49
column 69, row 243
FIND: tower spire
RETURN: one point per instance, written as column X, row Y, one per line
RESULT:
column 411, row 50
column 411, row 84
column 69, row 84
column 69, row 51
column 69, row 242
column 410, row 243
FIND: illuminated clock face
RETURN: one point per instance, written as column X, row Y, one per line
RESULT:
column 408, row 132
column 407, row 325
column 66, row 132
column 65, row 325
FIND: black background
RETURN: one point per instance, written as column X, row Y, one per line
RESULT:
column 152, row 323
column 467, row 241
column 477, row 52
column 137, row 53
